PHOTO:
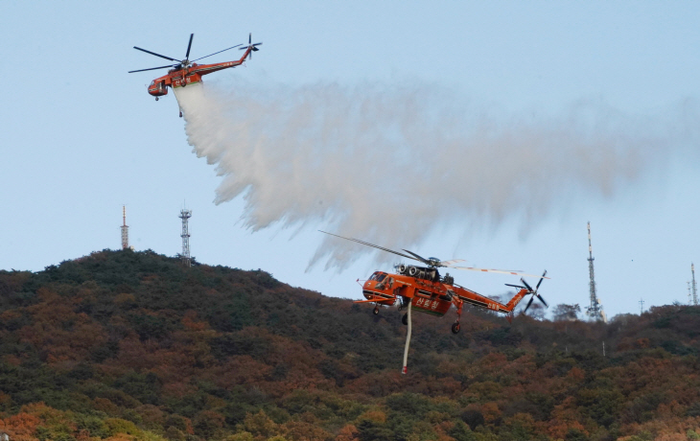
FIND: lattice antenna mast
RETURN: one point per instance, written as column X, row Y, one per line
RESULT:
column 694, row 285
column 185, row 215
column 595, row 310
column 125, row 230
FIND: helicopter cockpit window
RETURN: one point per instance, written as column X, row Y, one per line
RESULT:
column 378, row 277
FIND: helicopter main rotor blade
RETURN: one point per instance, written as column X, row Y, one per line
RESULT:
column 450, row 263
column 189, row 46
column 157, row 55
column 362, row 242
column 417, row 257
column 223, row 50
column 483, row 270
column 152, row 68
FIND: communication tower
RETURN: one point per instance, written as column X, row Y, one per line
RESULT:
column 185, row 256
column 125, row 230
column 595, row 310
column 693, row 285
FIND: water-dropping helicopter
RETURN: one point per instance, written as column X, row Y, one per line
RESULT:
column 422, row 288
column 186, row 71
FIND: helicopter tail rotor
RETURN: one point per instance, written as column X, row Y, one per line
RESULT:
column 251, row 46
column 531, row 291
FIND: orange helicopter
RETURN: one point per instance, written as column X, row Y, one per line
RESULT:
column 184, row 72
column 423, row 288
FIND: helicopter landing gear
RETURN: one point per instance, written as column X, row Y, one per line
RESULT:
column 376, row 310
column 404, row 319
column 455, row 328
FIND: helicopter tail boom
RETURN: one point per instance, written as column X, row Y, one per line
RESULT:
column 510, row 306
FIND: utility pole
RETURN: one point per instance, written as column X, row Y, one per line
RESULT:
column 641, row 307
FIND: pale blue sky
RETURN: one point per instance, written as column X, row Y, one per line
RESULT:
column 80, row 137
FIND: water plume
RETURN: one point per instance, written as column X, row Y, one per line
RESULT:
column 389, row 164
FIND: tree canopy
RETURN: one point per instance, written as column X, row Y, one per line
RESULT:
column 125, row 345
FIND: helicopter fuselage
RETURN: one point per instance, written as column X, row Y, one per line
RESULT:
column 187, row 75
column 428, row 292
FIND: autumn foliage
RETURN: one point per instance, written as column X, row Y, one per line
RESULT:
column 121, row 345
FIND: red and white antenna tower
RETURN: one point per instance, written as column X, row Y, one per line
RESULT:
column 125, row 230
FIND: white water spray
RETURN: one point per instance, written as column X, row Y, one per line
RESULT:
column 388, row 164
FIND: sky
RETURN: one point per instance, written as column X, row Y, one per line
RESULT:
column 485, row 131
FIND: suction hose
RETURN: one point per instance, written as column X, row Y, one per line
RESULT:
column 404, row 370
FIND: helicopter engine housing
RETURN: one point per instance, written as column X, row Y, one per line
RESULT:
column 416, row 271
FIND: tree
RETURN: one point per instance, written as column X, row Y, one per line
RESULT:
column 461, row 432
column 260, row 425
column 564, row 312
column 536, row 311
column 373, row 431
column 207, row 422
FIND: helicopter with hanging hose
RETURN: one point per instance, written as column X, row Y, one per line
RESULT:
column 423, row 288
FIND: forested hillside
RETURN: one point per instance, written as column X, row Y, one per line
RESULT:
column 126, row 345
